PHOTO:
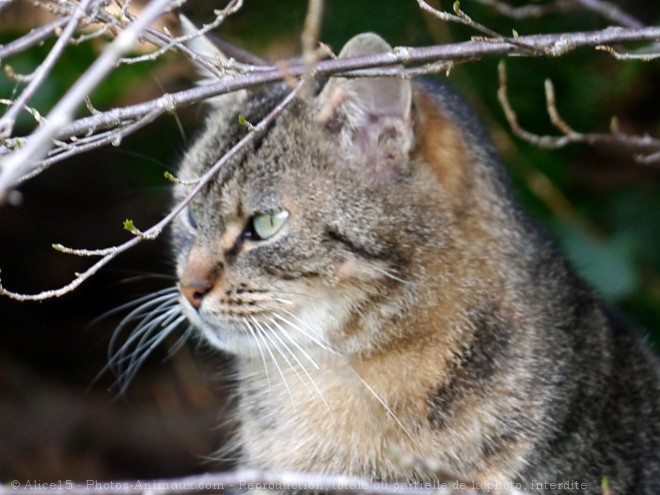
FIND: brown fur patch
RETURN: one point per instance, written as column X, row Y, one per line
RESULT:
column 440, row 144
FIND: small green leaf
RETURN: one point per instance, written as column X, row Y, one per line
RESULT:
column 457, row 6
column 245, row 123
column 130, row 226
column 605, row 486
column 170, row 177
column 57, row 247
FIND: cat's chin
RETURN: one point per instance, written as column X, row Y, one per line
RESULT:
column 229, row 337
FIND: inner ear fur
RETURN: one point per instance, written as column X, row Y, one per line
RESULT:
column 370, row 117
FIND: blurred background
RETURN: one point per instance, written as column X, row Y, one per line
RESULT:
column 61, row 414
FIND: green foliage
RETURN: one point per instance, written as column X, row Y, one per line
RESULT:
column 608, row 263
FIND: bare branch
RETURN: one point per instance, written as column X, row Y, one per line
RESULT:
column 154, row 231
column 277, row 481
column 114, row 137
column 23, row 161
column 611, row 12
column 87, row 133
column 9, row 118
column 645, row 149
column 653, row 158
column 607, row 10
column 543, row 45
column 644, row 57
column 167, row 42
column 461, row 17
column 309, row 39
column 34, row 37
column 530, row 10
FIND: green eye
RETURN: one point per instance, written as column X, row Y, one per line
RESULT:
column 266, row 225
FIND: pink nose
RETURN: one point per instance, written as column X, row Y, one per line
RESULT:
column 200, row 275
column 195, row 290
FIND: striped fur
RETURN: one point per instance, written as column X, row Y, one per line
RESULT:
column 407, row 305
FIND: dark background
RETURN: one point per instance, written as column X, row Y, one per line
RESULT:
column 61, row 415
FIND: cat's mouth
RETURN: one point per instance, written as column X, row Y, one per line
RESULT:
column 257, row 324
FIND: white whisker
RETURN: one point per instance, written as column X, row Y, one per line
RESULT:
column 144, row 328
column 310, row 378
column 144, row 349
column 388, row 274
column 268, row 333
column 384, row 404
column 158, row 315
column 286, row 334
column 260, row 331
column 318, row 299
column 182, row 339
column 261, row 351
column 311, row 337
column 150, row 300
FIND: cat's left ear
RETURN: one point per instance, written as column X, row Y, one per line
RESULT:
column 217, row 52
column 371, row 116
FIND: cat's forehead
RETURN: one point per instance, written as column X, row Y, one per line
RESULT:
column 267, row 167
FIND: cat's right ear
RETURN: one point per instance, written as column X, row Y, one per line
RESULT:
column 370, row 117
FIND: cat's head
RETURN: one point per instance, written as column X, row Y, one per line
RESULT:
column 318, row 232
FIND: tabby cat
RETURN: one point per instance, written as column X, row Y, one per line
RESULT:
column 384, row 296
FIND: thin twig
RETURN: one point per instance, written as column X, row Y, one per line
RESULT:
column 611, row 12
column 82, row 146
column 653, row 158
column 461, row 17
column 23, row 161
column 645, row 148
column 644, row 57
column 604, row 9
column 167, row 42
column 34, row 37
column 530, row 10
column 309, row 40
column 39, row 76
column 259, row 481
column 154, row 231
column 543, row 45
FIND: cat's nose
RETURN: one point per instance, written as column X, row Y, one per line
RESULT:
column 195, row 290
column 201, row 273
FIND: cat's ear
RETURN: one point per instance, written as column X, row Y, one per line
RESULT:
column 217, row 52
column 370, row 115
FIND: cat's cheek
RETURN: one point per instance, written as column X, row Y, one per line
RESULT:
column 346, row 271
column 356, row 270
